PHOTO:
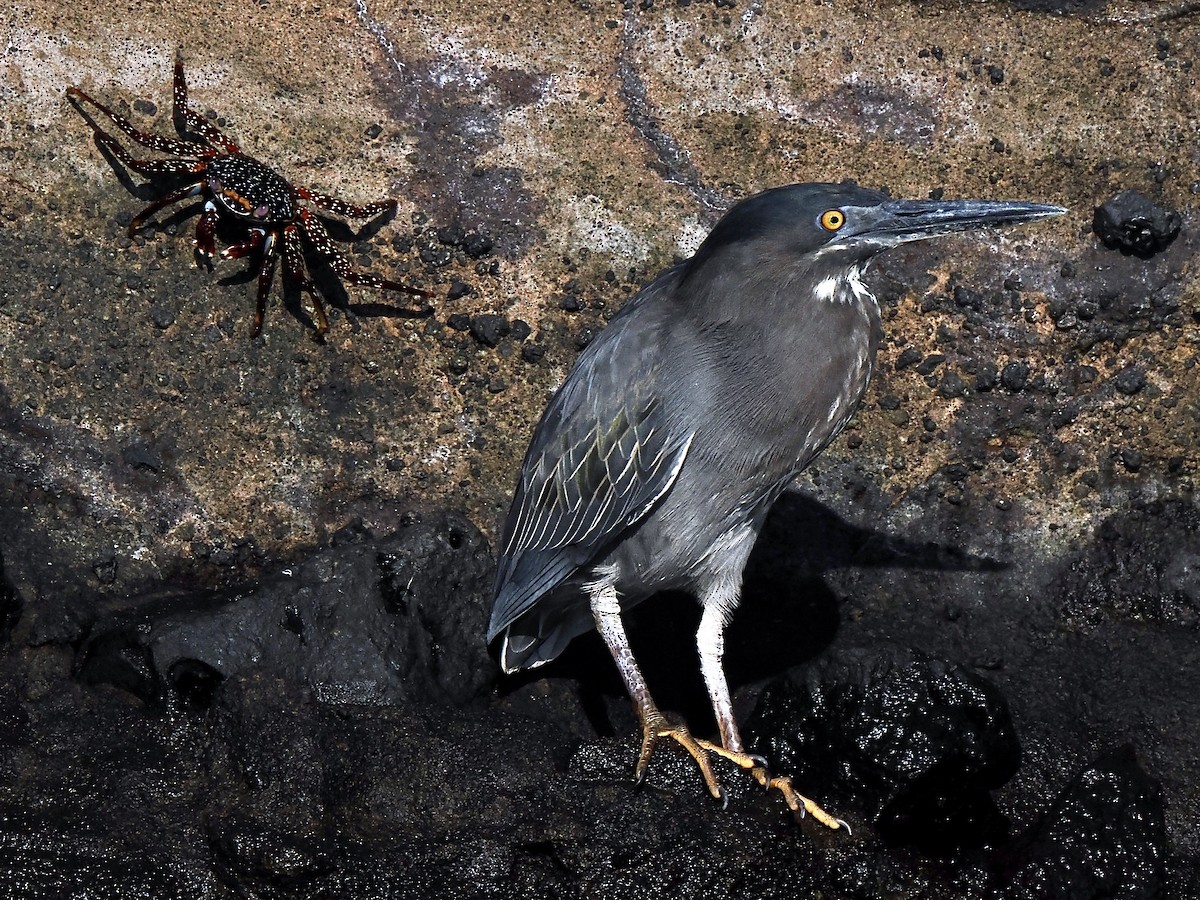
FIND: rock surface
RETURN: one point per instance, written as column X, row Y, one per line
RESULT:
column 1014, row 503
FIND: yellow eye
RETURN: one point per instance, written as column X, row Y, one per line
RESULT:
column 833, row 219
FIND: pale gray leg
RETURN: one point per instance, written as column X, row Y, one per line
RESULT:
column 606, row 608
column 710, row 642
column 719, row 603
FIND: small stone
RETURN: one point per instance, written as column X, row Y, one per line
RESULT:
column 162, row 316
column 952, row 386
column 489, row 328
column 476, row 244
column 1130, row 459
column 987, row 376
column 1130, row 380
column 930, row 363
column 458, row 289
column 1015, row 376
column 907, row 357
column 1134, row 224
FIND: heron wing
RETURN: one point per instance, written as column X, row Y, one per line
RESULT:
column 604, row 452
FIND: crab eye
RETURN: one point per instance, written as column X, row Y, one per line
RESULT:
column 833, row 219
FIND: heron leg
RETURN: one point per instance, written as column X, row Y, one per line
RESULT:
column 710, row 642
column 606, row 609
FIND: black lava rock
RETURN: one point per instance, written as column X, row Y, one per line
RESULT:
column 1104, row 836
column 140, row 455
column 987, row 376
column 952, row 386
column 907, row 357
column 477, row 244
column 10, row 605
column 490, row 329
column 1134, row 224
column 917, row 742
column 1130, row 380
column 1015, row 375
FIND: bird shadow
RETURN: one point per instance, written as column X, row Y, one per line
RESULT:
column 788, row 613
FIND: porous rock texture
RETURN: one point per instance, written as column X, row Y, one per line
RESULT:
column 245, row 583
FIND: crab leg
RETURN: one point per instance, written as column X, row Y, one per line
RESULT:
column 293, row 262
column 342, row 208
column 190, row 190
column 145, row 138
column 323, row 244
column 187, row 120
column 148, row 166
column 266, row 274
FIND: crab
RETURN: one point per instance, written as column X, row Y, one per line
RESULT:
column 237, row 188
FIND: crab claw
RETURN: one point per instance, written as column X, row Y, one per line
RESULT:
column 246, row 247
column 206, row 233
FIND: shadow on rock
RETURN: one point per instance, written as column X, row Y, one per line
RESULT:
column 370, row 620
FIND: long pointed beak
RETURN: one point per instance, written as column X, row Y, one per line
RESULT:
column 897, row 221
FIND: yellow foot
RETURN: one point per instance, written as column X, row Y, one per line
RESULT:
column 797, row 802
column 657, row 728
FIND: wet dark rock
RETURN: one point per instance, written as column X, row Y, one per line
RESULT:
column 1134, row 572
column 458, row 289
column 533, row 353
column 252, row 851
column 1065, row 414
column 459, row 322
column 451, row 235
column 1104, row 836
column 10, row 605
column 391, row 618
column 916, row 741
column 1134, row 224
column 968, row 297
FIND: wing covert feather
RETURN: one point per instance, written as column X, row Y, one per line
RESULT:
column 604, row 452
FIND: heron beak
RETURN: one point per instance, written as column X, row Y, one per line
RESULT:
column 898, row 221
